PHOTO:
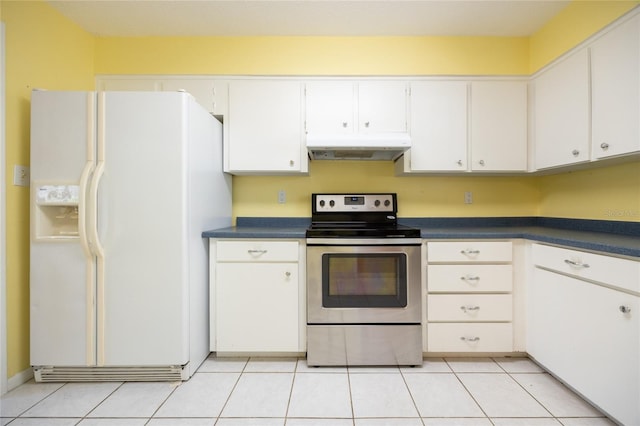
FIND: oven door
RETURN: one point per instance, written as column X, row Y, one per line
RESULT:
column 364, row 282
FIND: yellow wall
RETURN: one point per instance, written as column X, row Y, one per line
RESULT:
column 417, row 196
column 611, row 193
column 575, row 23
column 44, row 50
column 313, row 55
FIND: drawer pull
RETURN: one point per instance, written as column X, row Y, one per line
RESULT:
column 470, row 339
column 256, row 252
column 470, row 308
column 575, row 264
column 470, row 278
column 470, row 252
column 287, row 274
column 624, row 309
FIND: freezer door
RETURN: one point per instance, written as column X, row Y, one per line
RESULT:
column 142, row 221
column 62, row 275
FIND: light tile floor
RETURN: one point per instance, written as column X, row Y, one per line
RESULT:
column 265, row 392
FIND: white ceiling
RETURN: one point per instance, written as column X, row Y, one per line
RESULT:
column 310, row 17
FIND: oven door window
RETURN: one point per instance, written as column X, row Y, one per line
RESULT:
column 364, row 280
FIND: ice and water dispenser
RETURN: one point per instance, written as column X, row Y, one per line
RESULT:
column 56, row 212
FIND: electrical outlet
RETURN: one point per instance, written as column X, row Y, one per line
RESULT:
column 282, row 197
column 21, row 175
column 468, row 197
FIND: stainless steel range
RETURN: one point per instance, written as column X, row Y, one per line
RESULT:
column 363, row 283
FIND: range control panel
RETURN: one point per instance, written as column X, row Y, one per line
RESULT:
column 354, row 203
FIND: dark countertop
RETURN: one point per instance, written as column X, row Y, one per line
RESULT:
column 622, row 238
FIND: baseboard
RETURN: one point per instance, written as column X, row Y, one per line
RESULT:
column 19, row 379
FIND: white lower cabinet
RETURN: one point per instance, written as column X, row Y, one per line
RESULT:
column 256, row 297
column 469, row 296
column 584, row 331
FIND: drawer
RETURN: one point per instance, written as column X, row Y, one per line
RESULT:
column 614, row 271
column 469, row 307
column 257, row 251
column 469, row 251
column 470, row 337
column 469, row 278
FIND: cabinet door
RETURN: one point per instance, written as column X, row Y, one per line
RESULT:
column 265, row 127
column 257, row 307
column 578, row 331
column 330, row 107
column 615, row 79
column 561, row 113
column 438, row 126
column 382, row 106
column 498, row 126
column 211, row 94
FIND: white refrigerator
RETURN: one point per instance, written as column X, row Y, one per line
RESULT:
column 122, row 186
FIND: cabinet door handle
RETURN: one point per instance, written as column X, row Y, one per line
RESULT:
column 345, row 124
column 575, row 264
column 469, row 308
column 481, row 162
column 575, row 152
column 287, row 274
column 604, row 146
column 469, row 252
column 366, row 124
column 459, row 163
column 256, row 252
column 470, row 339
column 470, row 278
column 624, row 309
column 292, row 163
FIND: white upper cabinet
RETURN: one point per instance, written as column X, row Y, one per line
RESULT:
column 498, row 125
column 382, row 106
column 562, row 112
column 346, row 107
column 615, row 76
column 330, row 107
column 264, row 128
column 211, row 94
column 438, row 127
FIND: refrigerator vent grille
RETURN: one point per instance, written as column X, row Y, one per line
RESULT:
column 108, row 374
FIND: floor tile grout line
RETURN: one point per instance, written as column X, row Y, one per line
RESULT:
column 40, row 400
column 532, row 396
column 415, row 405
column 293, row 382
column 455, row 373
column 353, row 412
column 235, row 385
column 103, row 400
column 164, row 401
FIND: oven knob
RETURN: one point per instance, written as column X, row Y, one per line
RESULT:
column 386, row 203
column 377, row 203
column 321, row 203
column 332, row 203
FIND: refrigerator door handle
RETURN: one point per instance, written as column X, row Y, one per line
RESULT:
column 83, row 209
column 94, row 238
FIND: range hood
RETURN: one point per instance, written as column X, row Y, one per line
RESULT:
column 360, row 146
